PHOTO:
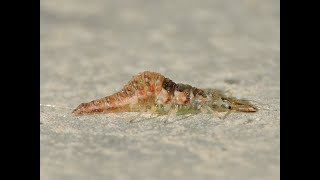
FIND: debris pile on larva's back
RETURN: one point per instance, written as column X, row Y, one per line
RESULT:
column 151, row 91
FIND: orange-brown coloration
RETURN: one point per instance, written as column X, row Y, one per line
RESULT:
column 150, row 89
column 141, row 89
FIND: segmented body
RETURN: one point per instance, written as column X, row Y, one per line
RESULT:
column 151, row 91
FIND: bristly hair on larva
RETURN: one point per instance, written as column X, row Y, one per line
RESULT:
column 152, row 92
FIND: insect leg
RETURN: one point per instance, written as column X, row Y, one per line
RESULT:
column 225, row 116
column 136, row 117
column 147, row 107
column 183, row 118
column 206, row 109
column 172, row 113
column 149, row 111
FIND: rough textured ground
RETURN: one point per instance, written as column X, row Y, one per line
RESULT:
column 90, row 49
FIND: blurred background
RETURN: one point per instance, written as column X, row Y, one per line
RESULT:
column 90, row 49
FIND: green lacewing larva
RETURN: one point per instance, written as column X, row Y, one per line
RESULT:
column 152, row 92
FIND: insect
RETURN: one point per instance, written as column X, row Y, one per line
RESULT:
column 152, row 92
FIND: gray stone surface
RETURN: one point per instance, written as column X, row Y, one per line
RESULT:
column 90, row 49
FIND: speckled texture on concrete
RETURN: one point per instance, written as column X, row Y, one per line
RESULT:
column 90, row 49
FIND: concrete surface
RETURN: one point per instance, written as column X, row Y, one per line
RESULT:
column 90, row 49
